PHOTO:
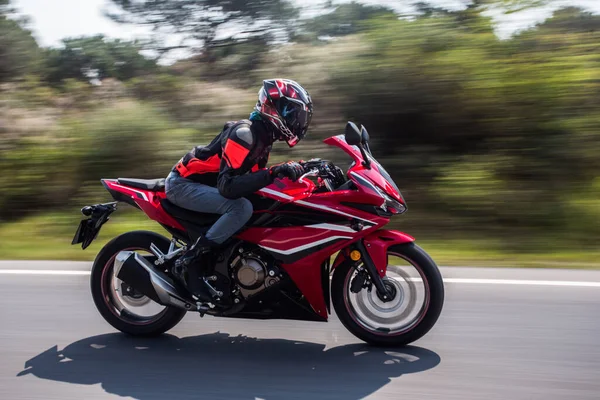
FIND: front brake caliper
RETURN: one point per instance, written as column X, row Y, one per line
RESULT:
column 360, row 281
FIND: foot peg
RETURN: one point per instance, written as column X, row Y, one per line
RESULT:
column 214, row 292
column 204, row 292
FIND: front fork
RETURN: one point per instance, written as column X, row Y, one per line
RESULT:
column 373, row 274
column 373, row 254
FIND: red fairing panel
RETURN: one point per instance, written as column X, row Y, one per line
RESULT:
column 372, row 174
column 340, row 258
column 307, row 275
column 377, row 244
column 148, row 201
column 312, row 245
column 291, row 240
column 286, row 191
column 287, row 241
column 303, row 249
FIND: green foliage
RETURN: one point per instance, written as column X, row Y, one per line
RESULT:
column 53, row 232
column 19, row 52
column 198, row 23
column 234, row 59
column 163, row 87
column 121, row 139
column 98, row 58
column 46, row 168
column 523, row 112
column 39, row 171
column 344, row 19
column 34, row 93
column 491, row 138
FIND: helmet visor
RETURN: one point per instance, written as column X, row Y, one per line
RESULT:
column 296, row 115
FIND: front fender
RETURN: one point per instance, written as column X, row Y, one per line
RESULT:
column 377, row 244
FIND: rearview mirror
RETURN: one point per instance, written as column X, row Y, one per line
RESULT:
column 364, row 135
column 352, row 134
column 354, row 137
column 365, row 138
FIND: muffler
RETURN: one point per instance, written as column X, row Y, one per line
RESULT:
column 136, row 271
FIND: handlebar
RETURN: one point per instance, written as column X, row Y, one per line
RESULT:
column 331, row 175
column 312, row 172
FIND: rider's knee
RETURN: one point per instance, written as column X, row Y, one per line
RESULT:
column 244, row 208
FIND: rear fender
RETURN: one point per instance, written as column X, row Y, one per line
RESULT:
column 377, row 244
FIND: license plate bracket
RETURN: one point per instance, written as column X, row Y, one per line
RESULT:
column 88, row 229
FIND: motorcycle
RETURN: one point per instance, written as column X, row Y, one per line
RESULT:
column 310, row 243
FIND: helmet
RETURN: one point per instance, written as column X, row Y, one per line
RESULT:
column 286, row 105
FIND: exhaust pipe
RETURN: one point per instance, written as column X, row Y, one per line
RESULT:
column 139, row 273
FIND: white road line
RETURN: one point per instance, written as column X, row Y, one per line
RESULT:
column 446, row 280
column 42, row 272
column 522, row 282
column 528, row 282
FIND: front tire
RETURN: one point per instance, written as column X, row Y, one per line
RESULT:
column 370, row 319
column 122, row 311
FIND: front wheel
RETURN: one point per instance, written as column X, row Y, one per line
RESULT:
column 418, row 296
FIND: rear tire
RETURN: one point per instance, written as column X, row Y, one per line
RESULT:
column 431, row 279
column 103, row 265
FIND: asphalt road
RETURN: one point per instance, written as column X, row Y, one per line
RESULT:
column 503, row 334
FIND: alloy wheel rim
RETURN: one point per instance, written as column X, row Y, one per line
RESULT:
column 398, row 316
column 139, row 310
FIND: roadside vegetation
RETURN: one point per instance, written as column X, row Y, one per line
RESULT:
column 494, row 143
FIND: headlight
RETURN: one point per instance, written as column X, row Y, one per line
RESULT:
column 391, row 205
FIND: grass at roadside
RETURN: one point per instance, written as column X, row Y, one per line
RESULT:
column 487, row 253
column 48, row 237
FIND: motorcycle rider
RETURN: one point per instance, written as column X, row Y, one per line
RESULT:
column 216, row 177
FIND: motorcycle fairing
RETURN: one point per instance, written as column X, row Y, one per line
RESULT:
column 377, row 244
column 358, row 170
column 302, row 229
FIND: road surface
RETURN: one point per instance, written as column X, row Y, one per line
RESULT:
column 503, row 334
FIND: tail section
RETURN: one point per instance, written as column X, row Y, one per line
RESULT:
column 143, row 194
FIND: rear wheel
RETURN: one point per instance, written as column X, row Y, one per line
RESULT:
column 120, row 305
column 417, row 291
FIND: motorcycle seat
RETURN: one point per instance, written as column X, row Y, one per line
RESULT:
column 201, row 219
column 154, row 185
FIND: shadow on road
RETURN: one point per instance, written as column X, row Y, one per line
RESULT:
column 221, row 366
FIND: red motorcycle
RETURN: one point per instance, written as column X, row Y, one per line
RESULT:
column 384, row 288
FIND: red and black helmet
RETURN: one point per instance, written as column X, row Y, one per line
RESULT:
column 288, row 106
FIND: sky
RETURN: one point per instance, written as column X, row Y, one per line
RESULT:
column 53, row 20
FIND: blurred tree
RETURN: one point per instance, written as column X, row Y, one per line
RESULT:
column 427, row 9
column 199, row 23
column 19, row 52
column 233, row 60
column 343, row 19
column 451, row 106
column 96, row 57
column 480, row 132
column 513, row 6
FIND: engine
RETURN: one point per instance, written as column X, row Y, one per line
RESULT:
column 252, row 274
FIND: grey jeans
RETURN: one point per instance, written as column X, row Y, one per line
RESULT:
column 207, row 199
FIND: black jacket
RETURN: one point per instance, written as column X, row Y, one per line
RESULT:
column 234, row 161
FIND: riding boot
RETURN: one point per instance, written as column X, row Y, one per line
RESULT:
column 198, row 262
